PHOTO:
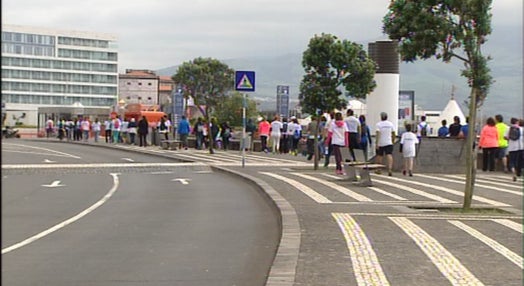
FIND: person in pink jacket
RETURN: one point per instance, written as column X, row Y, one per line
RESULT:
column 489, row 143
column 263, row 131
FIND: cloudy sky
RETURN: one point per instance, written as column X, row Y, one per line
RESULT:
column 156, row 34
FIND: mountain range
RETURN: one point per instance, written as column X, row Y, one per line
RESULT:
column 432, row 80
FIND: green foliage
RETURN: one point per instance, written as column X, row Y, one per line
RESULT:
column 230, row 109
column 444, row 29
column 206, row 80
column 330, row 64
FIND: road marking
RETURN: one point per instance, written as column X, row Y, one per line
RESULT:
column 365, row 263
column 504, row 251
column 99, row 165
column 339, row 188
column 301, row 187
column 415, row 191
column 54, row 153
column 128, row 159
column 68, row 221
column 182, row 181
column 510, row 224
column 448, row 190
column 378, row 190
column 476, row 183
column 54, row 184
column 49, row 161
column 448, row 265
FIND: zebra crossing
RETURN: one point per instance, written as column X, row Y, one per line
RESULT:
column 444, row 251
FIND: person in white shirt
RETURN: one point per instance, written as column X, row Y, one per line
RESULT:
column 96, row 129
column 276, row 127
column 338, row 138
column 515, row 147
column 116, row 122
column 385, row 137
column 408, row 142
column 86, row 126
column 353, row 125
column 108, row 126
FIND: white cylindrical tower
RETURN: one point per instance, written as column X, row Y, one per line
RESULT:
column 385, row 97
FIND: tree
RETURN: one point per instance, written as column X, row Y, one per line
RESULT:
column 230, row 109
column 331, row 64
column 446, row 30
column 207, row 81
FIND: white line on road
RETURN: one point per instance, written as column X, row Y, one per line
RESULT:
column 448, row 265
column 415, row 191
column 510, row 224
column 53, row 152
column 339, row 188
column 68, row 221
column 378, row 190
column 98, row 165
column 301, row 187
column 502, row 250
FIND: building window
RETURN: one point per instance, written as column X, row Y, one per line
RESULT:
column 139, row 83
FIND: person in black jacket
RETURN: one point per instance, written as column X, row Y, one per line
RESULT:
column 143, row 129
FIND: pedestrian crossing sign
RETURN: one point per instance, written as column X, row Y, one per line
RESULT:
column 245, row 81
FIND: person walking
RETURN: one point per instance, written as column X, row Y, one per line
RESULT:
column 226, row 134
column 163, row 128
column 86, row 127
column 108, row 127
column 338, row 136
column 50, row 127
column 502, row 128
column 132, row 130
column 263, row 130
column 284, row 146
column 183, row 131
column 408, row 142
column 198, row 130
column 514, row 135
column 328, row 147
column 365, row 136
column 489, row 143
column 385, row 138
column 143, row 130
column 96, row 127
column 354, row 131
column 276, row 133
column 116, row 129
column 251, row 128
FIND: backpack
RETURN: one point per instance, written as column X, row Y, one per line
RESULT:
column 297, row 134
column 514, row 133
column 284, row 127
column 423, row 129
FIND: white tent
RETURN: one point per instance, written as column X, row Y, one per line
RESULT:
column 451, row 110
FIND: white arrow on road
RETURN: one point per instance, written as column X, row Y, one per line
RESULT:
column 128, row 159
column 54, row 184
column 183, row 181
column 49, row 161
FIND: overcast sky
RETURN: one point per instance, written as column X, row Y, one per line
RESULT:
column 156, row 34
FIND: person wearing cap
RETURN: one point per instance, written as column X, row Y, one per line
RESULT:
column 385, row 138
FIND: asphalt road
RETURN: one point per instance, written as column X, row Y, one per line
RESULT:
column 80, row 215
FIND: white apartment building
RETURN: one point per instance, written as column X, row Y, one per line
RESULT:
column 56, row 68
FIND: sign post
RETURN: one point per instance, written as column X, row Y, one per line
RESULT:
column 244, row 81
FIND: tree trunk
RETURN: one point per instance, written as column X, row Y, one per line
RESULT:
column 471, row 154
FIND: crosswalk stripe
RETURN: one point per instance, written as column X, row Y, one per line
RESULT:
column 504, row 251
column 415, row 191
column 339, row 188
column 378, row 190
column 303, row 188
column 448, row 265
column 479, row 185
column 510, row 224
column 366, row 265
column 448, row 190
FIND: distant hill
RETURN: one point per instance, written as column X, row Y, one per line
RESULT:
column 431, row 80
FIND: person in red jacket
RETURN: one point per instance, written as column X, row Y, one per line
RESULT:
column 489, row 143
